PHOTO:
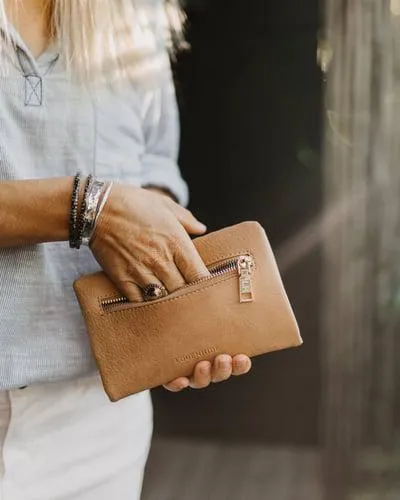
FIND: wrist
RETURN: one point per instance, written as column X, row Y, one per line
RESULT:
column 92, row 194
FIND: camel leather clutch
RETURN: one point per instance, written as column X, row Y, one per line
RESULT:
column 241, row 307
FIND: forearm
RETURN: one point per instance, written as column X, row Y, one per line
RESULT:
column 34, row 211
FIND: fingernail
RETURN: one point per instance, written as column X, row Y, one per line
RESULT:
column 224, row 363
column 205, row 369
column 241, row 360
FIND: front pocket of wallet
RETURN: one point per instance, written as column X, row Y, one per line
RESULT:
column 241, row 267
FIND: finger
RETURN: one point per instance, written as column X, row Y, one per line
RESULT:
column 222, row 368
column 189, row 262
column 202, row 375
column 188, row 220
column 169, row 275
column 144, row 277
column 241, row 364
column 130, row 290
column 177, row 385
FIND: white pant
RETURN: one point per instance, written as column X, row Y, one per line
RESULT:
column 67, row 441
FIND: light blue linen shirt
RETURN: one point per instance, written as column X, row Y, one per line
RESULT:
column 51, row 128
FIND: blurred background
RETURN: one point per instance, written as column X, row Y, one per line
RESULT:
column 289, row 116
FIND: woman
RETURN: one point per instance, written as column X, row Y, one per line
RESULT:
column 84, row 85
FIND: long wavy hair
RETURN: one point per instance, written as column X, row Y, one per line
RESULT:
column 109, row 37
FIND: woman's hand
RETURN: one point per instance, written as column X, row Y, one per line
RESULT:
column 221, row 369
column 142, row 238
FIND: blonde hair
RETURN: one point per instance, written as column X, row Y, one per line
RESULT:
column 111, row 37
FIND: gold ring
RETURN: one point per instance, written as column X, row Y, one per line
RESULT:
column 154, row 291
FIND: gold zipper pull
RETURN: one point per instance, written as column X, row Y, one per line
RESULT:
column 245, row 269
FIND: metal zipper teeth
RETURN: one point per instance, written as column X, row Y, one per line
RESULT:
column 215, row 272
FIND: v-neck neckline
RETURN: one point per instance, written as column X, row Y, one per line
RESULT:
column 44, row 60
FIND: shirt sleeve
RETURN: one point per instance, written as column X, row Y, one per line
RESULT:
column 161, row 131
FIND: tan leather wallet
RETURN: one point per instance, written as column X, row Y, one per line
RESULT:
column 241, row 307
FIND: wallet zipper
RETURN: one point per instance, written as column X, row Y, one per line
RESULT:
column 243, row 265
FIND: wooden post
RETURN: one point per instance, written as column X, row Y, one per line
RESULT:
column 361, row 235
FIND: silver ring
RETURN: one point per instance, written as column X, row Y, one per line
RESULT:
column 154, row 291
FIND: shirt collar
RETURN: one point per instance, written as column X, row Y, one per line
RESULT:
column 49, row 56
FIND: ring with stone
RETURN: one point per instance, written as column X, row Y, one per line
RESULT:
column 154, row 291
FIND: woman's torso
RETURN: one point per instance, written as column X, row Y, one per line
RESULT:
column 51, row 128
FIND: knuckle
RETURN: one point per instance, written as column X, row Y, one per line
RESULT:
column 175, row 241
column 152, row 256
column 187, row 212
column 150, row 259
column 160, row 260
column 188, row 217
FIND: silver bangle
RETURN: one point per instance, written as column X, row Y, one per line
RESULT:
column 103, row 202
column 93, row 198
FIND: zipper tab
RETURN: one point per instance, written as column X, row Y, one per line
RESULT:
column 245, row 269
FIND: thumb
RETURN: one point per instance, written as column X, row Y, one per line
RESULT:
column 190, row 223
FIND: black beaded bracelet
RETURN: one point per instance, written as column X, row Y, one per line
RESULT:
column 81, row 219
column 74, row 209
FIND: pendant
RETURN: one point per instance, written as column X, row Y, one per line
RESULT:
column 33, row 90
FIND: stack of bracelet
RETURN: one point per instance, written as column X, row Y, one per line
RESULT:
column 83, row 219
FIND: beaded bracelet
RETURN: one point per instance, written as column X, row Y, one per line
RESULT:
column 81, row 220
column 74, row 209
